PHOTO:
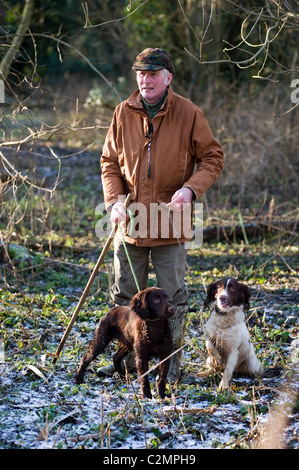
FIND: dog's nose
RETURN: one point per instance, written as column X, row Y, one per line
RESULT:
column 224, row 300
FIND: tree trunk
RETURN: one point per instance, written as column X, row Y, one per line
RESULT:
column 17, row 40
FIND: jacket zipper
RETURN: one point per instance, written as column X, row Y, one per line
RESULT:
column 149, row 159
column 151, row 129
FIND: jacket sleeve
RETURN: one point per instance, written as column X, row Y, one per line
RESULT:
column 112, row 180
column 208, row 155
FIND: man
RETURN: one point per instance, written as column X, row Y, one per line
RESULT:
column 159, row 148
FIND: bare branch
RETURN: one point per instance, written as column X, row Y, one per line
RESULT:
column 289, row 110
column 14, row 173
column 17, row 39
column 263, row 46
column 86, row 14
column 89, row 25
column 80, row 54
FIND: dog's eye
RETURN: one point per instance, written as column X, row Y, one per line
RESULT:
column 157, row 300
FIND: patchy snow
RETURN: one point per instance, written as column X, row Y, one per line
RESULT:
column 109, row 413
column 42, row 408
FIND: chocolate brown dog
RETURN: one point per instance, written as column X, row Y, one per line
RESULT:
column 142, row 326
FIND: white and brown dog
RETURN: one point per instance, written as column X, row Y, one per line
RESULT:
column 227, row 337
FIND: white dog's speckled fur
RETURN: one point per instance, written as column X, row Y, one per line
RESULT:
column 227, row 337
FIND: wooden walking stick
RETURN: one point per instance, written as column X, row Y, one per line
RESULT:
column 89, row 284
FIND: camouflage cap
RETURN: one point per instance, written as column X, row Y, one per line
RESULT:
column 153, row 59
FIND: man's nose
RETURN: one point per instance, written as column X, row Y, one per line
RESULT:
column 147, row 77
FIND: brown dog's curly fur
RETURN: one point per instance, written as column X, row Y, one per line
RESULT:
column 142, row 326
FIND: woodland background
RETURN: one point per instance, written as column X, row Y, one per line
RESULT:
column 64, row 65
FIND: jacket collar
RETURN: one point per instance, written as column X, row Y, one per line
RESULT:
column 135, row 100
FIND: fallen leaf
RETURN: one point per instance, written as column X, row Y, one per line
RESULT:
column 36, row 371
column 191, row 411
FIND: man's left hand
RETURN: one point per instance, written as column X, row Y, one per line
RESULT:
column 180, row 197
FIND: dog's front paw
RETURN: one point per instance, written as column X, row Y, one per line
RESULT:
column 147, row 395
column 224, row 385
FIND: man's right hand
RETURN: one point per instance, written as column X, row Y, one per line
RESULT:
column 118, row 213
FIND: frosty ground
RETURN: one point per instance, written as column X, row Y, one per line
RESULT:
column 40, row 405
column 42, row 408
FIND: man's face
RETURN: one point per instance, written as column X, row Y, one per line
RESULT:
column 152, row 84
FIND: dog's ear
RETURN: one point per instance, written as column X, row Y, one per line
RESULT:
column 246, row 293
column 139, row 304
column 211, row 293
